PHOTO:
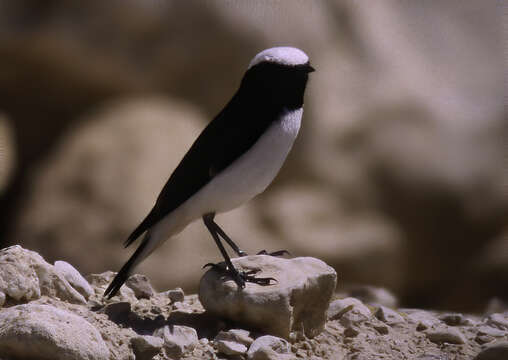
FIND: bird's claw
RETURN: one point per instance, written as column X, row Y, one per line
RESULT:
column 241, row 277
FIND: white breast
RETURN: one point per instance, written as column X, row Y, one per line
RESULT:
column 251, row 173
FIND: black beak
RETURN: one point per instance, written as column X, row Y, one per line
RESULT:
column 310, row 69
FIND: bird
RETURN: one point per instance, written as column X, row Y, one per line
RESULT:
column 235, row 158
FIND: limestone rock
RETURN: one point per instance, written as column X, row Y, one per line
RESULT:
column 146, row 347
column 74, row 278
column 177, row 339
column 140, row 285
column 339, row 307
column 33, row 331
column 269, row 348
column 297, row 302
column 25, row 275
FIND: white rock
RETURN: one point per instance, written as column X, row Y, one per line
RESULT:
column 74, row 278
column 237, row 335
column 25, row 276
column 296, row 303
column 339, row 307
column 269, row 348
column 33, row 331
column 146, row 347
column 177, row 339
column 2, row 299
column 389, row 316
column 446, row 334
column 231, row 347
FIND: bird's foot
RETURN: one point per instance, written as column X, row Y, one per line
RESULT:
column 274, row 253
column 241, row 277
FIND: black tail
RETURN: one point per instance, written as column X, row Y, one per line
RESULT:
column 124, row 272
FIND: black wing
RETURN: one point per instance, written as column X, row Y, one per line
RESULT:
column 227, row 137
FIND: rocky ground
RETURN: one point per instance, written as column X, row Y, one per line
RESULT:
column 51, row 311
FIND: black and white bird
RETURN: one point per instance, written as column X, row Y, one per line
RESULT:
column 234, row 158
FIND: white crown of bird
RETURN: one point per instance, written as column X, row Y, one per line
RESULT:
column 283, row 55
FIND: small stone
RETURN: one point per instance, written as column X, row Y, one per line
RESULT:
column 74, row 278
column 496, row 351
column 389, row 316
column 351, row 318
column 230, row 347
column 489, row 330
column 269, row 348
column 237, row 335
column 2, row 299
column 339, row 307
column 175, row 295
column 140, row 285
column 177, row 339
column 452, row 319
column 498, row 319
column 146, row 347
column 351, row 331
column 382, row 329
column 446, row 335
column 375, row 296
column 295, row 303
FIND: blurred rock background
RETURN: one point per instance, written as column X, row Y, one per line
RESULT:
column 398, row 178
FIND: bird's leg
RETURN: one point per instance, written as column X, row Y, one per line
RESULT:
column 239, row 277
column 230, row 242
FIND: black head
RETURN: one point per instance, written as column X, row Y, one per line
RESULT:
column 277, row 76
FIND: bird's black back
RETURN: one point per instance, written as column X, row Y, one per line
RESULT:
column 267, row 90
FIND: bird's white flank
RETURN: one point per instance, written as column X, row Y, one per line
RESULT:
column 283, row 55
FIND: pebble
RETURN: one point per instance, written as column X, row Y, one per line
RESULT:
column 141, row 286
column 452, row 319
column 389, row 316
column 489, row 330
column 230, row 347
column 74, row 278
column 146, row 347
column 448, row 335
column 175, row 295
column 269, row 348
column 237, row 335
column 339, row 307
column 2, row 299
